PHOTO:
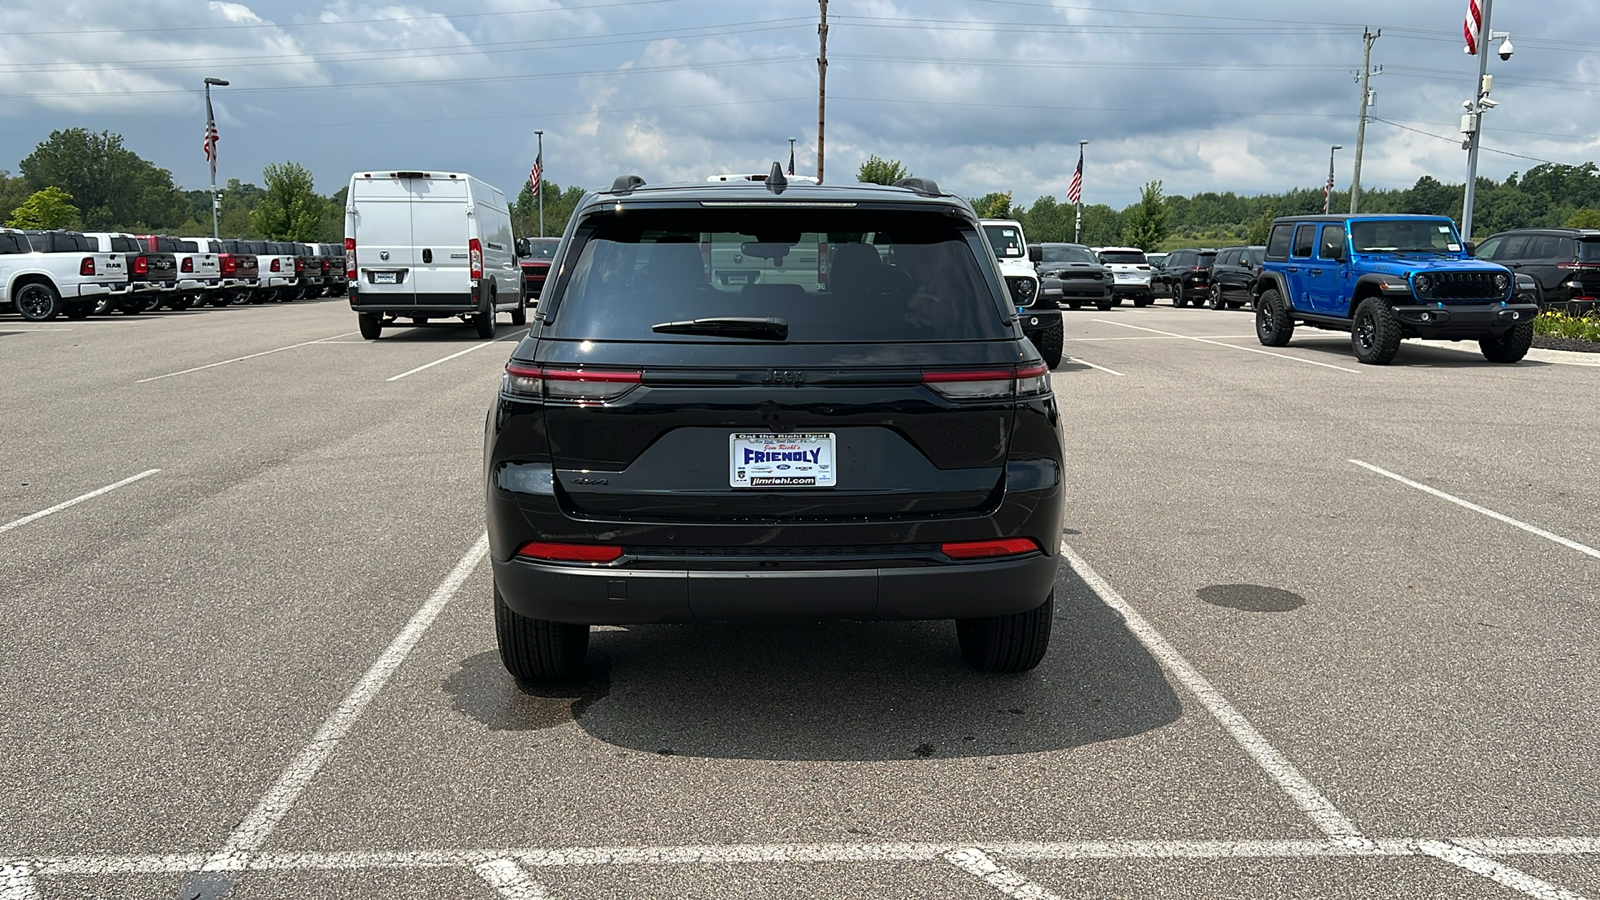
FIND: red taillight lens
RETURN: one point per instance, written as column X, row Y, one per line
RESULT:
column 971, row 384
column 229, row 265
column 589, row 386
column 276, row 265
column 188, row 264
column 526, row 382
column 87, row 266
column 986, row 549
column 299, row 265
column 589, row 553
column 350, row 258
column 141, row 265
column 325, row 265
column 475, row 257
column 1033, row 380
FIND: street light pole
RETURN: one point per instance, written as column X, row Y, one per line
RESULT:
column 1077, row 221
column 1327, row 194
column 211, row 153
column 1472, row 123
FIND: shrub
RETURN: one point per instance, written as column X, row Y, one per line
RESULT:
column 1554, row 323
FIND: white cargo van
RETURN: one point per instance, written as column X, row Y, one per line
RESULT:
column 429, row 245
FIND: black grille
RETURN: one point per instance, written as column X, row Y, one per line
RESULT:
column 1461, row 286
column 1023, row 290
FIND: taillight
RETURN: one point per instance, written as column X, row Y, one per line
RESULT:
column 533, row 383
column 475, row 257
column 590, row 553
column 188, row 264
column 229, row 265
column 325, row 264
column 299, row 265
column 1033, row 381
column 988, row 549
column 350, row 258
column 971, row 385
column 87, row 266
column 141, row 265
column 276, row 265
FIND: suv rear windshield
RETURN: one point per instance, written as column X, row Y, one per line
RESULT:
column 1589, row 251
column 832, row 275
column 1068, row 255
column 1122, row 257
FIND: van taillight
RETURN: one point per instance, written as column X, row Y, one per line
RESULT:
column 188, row 264
column 475, row 257
column 350, row 258
column 141, row 265
column 87, row 266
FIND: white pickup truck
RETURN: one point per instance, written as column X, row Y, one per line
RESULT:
column 48, row 273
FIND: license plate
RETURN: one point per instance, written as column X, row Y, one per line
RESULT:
column 385, row 277
column 781, row 460
column 1127, row 276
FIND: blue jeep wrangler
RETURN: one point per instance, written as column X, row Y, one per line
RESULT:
column 1388, row 277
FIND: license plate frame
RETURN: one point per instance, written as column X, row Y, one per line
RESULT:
column 385, row 277
column 767, row 460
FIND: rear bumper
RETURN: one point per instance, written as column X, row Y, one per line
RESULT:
column 96, row 290
column 1464, row 320
column 1134, row 288
column 618, row 596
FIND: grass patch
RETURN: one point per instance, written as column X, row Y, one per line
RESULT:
column 1553, row 323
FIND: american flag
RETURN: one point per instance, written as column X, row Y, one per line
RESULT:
column 1075, row 189
column 533, row 175
column 1327, row 191
column 211, row 139
column 1473, row 26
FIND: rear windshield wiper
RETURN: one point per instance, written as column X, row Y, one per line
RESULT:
column 730, row 326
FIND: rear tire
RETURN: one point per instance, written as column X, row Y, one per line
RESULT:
column 371, row 325
column 484, row 320
column 1074, row 304
column 37, row 301
column 519, row 316
column 1141, row 302
column 1177, row 296
column 1050, row 342
column 1006, row 644
column 1375, row 332
column 537, row 649
column 1103, row 305
column 1216, row 297
column 1509, row 347
column 1274, row 325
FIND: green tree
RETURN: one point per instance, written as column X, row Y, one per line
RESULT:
column 289, row 210
column 114, row 187
column 558, row 207
column 1102, row 226
column 994, row 205
column 49, row 208
column 1584, row 218
column 881, row 171
column 1147, row 222
column 1257, row 235
column 12, row 192
column 1048, row 221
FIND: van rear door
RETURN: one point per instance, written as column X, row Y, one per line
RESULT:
column 382, row 229
column 440, row 230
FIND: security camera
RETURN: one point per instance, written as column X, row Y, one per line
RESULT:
column 1466, row 105
column 1491, row 104
column 1506, row 49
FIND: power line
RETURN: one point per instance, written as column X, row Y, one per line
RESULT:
column 1457, row 140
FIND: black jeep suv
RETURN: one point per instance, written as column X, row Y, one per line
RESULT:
column 769, row 400
column 1565, row 262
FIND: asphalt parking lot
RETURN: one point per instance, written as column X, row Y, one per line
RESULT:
column 1324, row 630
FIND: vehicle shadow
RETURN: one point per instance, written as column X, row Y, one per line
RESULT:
column 839, row 691
column 1414, row 354
column 446, row 332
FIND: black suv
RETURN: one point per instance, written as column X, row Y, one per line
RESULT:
column 1187, row 274
column 1083, row 278
column 1233, row 274
column 773, row 400
column 1565, row 262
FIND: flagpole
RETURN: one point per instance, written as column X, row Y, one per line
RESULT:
column 1077, row 224
column 539, row 191
column 211, row 154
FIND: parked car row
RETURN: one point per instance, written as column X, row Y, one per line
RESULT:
column 45, row 274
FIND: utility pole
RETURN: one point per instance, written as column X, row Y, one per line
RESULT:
column 1367, row 36
column 822, row 81
column 1472, row 122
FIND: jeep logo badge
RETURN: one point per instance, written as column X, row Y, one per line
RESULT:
column 783, row 376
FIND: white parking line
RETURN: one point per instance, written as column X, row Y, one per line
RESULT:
column 452, row 356
column 242, row 358
column 1188, row 337
column 76, row 500
column 1581, row 548
column 1006, row 881
column 279, row 799
column 509, row 880
column 1500, row 873
column 17, row 882
column 1159, row 337
column 1091, row 365
column 1318, row 808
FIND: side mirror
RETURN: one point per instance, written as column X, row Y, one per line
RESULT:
column 1035, row 253
column 1470, row 247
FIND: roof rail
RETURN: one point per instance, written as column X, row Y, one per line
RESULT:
column 776, row 182
column 625, row 184
column 924, row 186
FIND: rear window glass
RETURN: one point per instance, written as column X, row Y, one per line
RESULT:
column 832, row 275
column 1589, row 250
column 1206, row 259
column 1305, row 237
column 541, row 250
column 186, row 246
column 124, row 245
column 1005, row 239
column 1278, row 242
column 1054, row 254
column 1122, row 257
column 14, row 243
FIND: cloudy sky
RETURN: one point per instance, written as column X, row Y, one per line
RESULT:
column 980, row 95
